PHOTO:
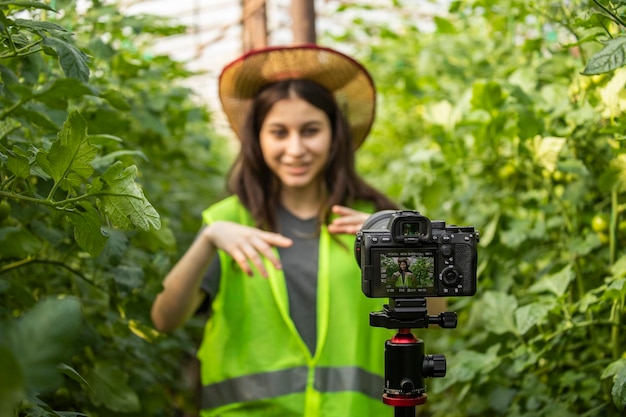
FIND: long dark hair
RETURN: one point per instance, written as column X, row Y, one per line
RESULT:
column 257, row 187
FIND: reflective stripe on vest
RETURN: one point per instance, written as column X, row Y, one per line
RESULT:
column 289, row 381
column 349, row 378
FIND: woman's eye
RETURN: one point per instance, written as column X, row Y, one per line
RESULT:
column 310, row 131
column 278, row 133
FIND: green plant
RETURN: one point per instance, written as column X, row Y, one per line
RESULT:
column 489, row 121
column 91, row 124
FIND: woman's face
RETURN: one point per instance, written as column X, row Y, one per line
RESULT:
column 403, row 266
column 295, row 140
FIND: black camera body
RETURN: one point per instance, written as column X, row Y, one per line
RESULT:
column 402, row 254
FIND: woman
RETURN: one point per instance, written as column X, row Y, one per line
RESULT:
column 289, row 332
column 403, row 278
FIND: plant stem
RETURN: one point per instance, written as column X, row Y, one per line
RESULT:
column 59, row 204
column 31, row 260
column 611, row 14
column 613, row 226
column 616, row 318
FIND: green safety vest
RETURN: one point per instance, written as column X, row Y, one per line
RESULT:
column 253, row 360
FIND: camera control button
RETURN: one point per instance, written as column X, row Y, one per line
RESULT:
column 446, row 250
column 449, row 277
column 445, row 238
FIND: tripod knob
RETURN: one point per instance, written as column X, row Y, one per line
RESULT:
column 434, row 366
column 407, row 386
column 446, row 320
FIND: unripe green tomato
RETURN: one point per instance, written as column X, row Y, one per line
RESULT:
column 558, row 176
column 507, row 171
column 600, row 223
column 5, row 210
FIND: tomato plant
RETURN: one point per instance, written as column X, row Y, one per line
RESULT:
column 509, row 116
column 101, row 146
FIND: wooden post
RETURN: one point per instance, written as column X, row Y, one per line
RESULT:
column 254, row 24
column 303, row 21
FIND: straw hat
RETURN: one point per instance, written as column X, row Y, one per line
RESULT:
column 348, row 80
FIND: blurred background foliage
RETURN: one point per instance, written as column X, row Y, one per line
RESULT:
column 508, row 116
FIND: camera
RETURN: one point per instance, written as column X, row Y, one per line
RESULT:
column 402, row 254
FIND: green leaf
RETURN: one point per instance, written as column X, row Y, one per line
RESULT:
column 88, row 228
column 28, row 4
column 40, row 119
column 500, row 399
column 583, row 245
column 123, row 200
column 17, row 242
column 499, row 312
column 37, row 25
column 61, row 90
column 57, row 320
column 588, row 300
column 129, row 276
column 110, row 158
column 556, row 283
column 486, row 237
column 612, row 56
column 74, row 375
column 615, row 175
column 116, row 99
column 613, row 368
column 70, row 154
column 616, row 290
column 18, row 165
column 618, row 392
column 547, row 150
column 444, row 25
column 530, row 315
column 468, row 364
column 104, row 139
column 111, row 389
column 487, row 96
column 7, row 125
column 117, row 244
column 11, row 378
column 618, row 269
column 73, row 61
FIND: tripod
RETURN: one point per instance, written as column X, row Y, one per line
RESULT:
column 406, row 365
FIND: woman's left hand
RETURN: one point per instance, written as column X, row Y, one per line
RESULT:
column 348, row 222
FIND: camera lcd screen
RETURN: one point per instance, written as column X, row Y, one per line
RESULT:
column 404, row 273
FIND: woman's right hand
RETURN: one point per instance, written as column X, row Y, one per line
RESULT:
column 246, row 245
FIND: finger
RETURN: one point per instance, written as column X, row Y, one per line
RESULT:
column 252, row 255
column 354, row 219
column 241, row 260
column 266, row 250
column 343, row 229
column 348, row 215
column 276, row 239
column 343, row 210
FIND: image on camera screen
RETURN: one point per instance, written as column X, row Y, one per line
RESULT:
column 408, row 273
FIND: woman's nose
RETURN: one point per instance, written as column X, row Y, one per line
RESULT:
column 295, row 145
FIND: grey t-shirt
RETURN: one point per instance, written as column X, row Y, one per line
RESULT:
column 300, row 262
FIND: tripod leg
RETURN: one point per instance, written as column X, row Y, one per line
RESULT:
column 404, row 411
